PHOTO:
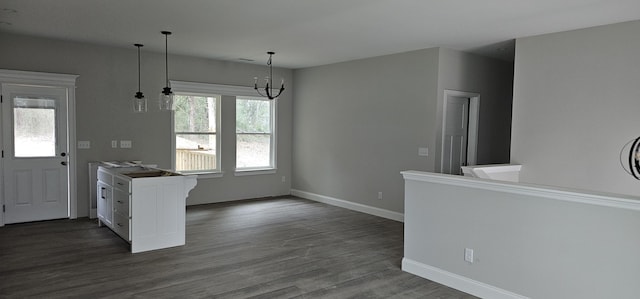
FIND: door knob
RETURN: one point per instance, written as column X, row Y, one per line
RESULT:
column 63, row 154
column 64, row 163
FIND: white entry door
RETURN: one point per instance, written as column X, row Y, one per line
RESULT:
column 35, row 146
column 456, row 133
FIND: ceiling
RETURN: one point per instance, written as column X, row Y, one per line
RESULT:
column 307, row 33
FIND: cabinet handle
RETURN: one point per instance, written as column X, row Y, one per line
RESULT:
column 120, row 225
column 102, row 192
column 119, row 201
column 120, row 183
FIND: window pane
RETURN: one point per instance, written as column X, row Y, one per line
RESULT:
column 195, row 152
column 253, row 151
column 253, row 116
column 34, row 124
column 195, row 113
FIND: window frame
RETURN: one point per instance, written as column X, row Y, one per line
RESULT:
column 272, row 168
column 204, row 90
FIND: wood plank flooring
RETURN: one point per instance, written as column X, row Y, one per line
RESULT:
column 268, row 248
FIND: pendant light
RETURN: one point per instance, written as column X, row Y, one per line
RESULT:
column 139, row 101
column 166, row 96
column 269, row 82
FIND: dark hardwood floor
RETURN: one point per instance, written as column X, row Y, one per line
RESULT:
column 268, row 248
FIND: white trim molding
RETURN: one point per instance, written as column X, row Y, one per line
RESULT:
column 456, row 281
column 37, row 78
column 349, row 205
column 209, row 88
column 620, row 201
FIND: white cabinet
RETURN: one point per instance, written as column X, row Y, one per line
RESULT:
column 146, row 207
column 104, row 201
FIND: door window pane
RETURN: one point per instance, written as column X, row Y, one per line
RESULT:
column 34, row 125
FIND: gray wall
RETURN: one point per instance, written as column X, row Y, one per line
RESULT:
column 525, row 242
column 576, row 103
column 357, row 124
column 493, row 80
column 108, row 80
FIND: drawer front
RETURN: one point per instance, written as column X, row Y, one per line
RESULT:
column 122, row 184
column 121, row 224
column 121, row 202
column 105, row 177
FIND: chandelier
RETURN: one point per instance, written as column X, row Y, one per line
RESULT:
column 630, row 158
column 268, row 89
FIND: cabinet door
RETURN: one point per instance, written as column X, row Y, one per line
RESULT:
column 105, row 204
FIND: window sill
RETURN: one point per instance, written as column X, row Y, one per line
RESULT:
column 205, row 175
column 246, row 172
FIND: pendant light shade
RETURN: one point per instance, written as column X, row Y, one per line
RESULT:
column 166, row 96
column 139, row 102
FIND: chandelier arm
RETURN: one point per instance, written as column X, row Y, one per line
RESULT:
column 258, row 91
column 633, row 162
column 279, row 93
column 267, row 90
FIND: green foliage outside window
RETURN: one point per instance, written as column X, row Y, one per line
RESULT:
column 194, row 113
column 253, row 116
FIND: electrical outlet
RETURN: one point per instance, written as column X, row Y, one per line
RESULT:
column 284, row 179
column 380, row 195
column 84, row 144
column 423, row 151
column 125, row 143
column 114, row 143
column 468, row 255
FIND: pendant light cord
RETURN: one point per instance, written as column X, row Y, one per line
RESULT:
column 139, row 94
column 138, row 66
column 166, row 57
column 270, row 73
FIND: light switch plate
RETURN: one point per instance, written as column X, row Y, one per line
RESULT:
column 423, row 151
column 84, row 144
column 114, row 143
column 125, row 143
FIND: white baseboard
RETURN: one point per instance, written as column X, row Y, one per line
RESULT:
column 349, row 205
column 456, row 281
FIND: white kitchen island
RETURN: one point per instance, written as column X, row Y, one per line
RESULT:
column 144, row 206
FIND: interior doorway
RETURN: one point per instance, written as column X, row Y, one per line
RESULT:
column 459, row 130
column 38, row 159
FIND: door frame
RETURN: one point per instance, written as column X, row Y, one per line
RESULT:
column 49, row 80
column 474, row 116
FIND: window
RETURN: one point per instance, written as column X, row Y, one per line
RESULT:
column 255, row 137
column 196, row 124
